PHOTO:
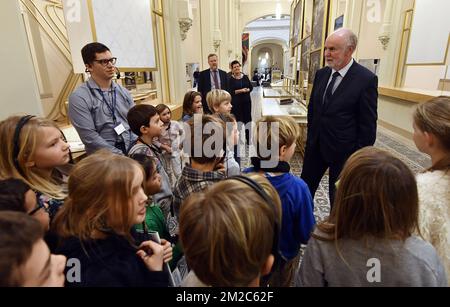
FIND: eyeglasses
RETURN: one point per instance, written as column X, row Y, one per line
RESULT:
column 39, row 205
column 105, row 62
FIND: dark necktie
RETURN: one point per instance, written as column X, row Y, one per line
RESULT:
column 330, row 87
column 216, row 82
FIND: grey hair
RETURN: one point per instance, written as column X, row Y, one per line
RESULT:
column 350, row 37
column 352, row 40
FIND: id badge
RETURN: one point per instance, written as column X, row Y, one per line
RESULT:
column 120, row 129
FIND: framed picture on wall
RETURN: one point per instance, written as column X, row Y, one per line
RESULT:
column 304, row 63
column 291, row 28
column 315, row 64
column 297, row 23
column 339, row 22
column 320, row 10
column 307, row 18
column 290, row 74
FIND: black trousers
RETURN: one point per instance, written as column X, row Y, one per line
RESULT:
column 315, row 166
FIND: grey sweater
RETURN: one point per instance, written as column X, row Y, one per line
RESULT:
column 413, row 263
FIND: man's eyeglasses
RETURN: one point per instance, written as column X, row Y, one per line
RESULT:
column 39, row 205
column 105, row 62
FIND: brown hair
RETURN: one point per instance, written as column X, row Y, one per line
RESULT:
column 212, row 55
column 29, row 139
column 376, row 197
column 12, row 195
column 288, row 132
column 161, row 108
column 434, row 117
column 227, row 231
column 139, row 116
column 196, row 131
column 100, row 190
column 18, row 234
column 188, row 101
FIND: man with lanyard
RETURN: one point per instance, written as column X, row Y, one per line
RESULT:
column 98, row 108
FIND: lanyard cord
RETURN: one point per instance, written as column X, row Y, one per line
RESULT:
column 112, row 108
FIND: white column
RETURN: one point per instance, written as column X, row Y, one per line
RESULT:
column 385, row 31
column 356, row 13
column 218, row 38
column 206, row 10
column 175, row 58
column 389, row 61
column 18, row 85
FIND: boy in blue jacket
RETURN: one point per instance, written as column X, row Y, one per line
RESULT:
column 298, row 220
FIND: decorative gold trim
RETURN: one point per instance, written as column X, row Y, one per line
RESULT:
column 330, row 17
column 435, row 64
column 92, row 20
column 302, row 16
column 291, row 26
column 409, row 40
column 305, row 38
column 324, row 31
column 64, row 43
column 406, row 94
column 159, row 13
column 394, row 129
column 54, row 23
column 141, row 69
column 164, row 50
column 403, row 54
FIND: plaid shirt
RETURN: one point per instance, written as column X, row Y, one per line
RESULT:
column 192, row 181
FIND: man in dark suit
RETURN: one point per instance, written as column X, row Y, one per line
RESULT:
column 342, row 112
column 210, row 79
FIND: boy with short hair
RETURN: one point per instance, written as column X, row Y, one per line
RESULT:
column 297, row 204
column 25, row 260
column 219, row 102
column 206, row 168
column 144, row 122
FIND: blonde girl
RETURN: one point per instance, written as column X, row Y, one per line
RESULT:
column 32, row 150
column 106, row 199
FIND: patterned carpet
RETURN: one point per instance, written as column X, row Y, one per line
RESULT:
column 410, row 155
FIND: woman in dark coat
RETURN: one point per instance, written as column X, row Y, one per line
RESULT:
column 240, row 89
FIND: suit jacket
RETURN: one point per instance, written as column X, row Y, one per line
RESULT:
column 348, row 122
column 204, row 85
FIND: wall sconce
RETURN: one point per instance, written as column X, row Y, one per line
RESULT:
column 185, row 25
column 384, row 39
column 185, row 17
column 217, row 39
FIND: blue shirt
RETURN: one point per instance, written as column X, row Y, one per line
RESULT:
column 93, row 118
column 298, row 219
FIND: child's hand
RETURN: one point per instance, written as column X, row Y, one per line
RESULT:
column 152, row 254
column 166, row 148
column 167, row 250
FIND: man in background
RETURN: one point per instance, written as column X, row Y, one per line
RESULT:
column 212, row 79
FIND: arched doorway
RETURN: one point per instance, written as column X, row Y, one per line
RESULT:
column 273, row 34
